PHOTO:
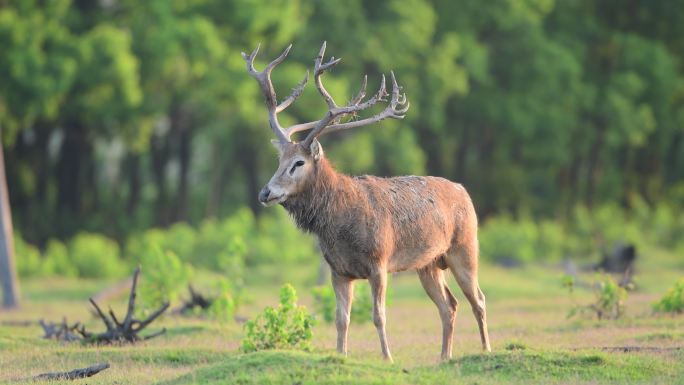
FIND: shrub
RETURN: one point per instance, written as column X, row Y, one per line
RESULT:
column 164, row 275
column 673, row 300
column 225, row 302
column 609, row 299
column 56, row 260
column 214, row 245
column 362, row 306
column 277, row 240
column 96, row 256
column 502, row 238
column 283, row 327
column 324, row 302
column 27, row 258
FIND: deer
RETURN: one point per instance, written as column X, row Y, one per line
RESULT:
column 368, row 227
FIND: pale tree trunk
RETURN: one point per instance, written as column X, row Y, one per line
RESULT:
column 8, row 272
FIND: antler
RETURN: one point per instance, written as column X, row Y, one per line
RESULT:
column 396, row 108
column 264, row 80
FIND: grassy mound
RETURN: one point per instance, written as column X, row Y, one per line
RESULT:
column 287, row 367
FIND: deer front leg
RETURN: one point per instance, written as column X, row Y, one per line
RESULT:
column 344, row 295
column 378, row 282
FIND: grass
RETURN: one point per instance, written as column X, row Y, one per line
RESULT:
column 532, row 339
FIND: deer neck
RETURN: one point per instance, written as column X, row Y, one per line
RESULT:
column 323, row 198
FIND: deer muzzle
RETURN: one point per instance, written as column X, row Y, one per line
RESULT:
column 268, row 197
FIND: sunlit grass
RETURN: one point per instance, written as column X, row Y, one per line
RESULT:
column 527, row 308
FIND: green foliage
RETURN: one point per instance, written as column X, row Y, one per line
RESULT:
column 56, row 260
column 226, row 301
column 27, row 257
column 673, row 300
column 287, row 326
column 163, row 276
column 537, row 106
column 96, row 256
column 277, row 240
column 524, row 240
column 324, row 302
column 609, row 299
column 362, row 306
column 515, row 345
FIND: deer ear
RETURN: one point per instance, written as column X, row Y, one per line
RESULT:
column 316, row 149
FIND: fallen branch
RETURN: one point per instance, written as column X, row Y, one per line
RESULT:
column 628, row 349
column 17, row 323
column 128, row 329
column 632, row 348
column 197, row 300
column 73, row 374
column 62, row 331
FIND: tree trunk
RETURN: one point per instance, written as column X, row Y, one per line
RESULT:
column 217, row 183
column 133, row 167
column 75, row 177
column 249, row 161
column 184, row 156
column 8, row 271
column 159, row 149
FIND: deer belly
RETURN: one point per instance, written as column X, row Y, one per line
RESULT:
column 348, row 263
column 414, row 258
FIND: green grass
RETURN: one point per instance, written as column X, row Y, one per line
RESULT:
column 532, row 339
column 284, row 367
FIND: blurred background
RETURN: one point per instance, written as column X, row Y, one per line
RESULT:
column 127, row 124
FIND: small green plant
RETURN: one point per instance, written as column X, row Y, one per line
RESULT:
column 673, row 300
column 324, row 302
column 225, row 304
column 568, row 282
column 362, row 306
column 609, row 299
column 287, row 326
column 164, row 276
column 515, row 345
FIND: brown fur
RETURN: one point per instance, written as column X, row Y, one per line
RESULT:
column 369, row 226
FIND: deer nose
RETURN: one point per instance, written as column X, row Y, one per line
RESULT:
column 263, row 194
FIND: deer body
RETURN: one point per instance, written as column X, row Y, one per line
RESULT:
column 369, row 226
column 369, row 223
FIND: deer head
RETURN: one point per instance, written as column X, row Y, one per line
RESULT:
column 298, row 160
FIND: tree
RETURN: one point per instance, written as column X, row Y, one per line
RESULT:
column 8, row 271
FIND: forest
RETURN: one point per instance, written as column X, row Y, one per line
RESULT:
column 133, row 136
column 118, row 116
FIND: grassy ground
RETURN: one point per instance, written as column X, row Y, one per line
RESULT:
column 532, row 339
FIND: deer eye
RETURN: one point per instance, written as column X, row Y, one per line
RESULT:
column 297, row 164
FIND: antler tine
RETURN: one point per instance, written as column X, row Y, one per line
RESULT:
column 295, row 94
column 335, row 113
column 396, row 109
column 264, row 80
column 319, row 68
column 307, row 126
column 250, row 59
column 362, row 92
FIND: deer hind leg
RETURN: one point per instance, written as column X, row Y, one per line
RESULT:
column 432, row 278
column 344, row 295
column 378, row 283
column 463, row 264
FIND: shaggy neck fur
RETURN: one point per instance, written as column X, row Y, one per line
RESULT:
column 326, row 194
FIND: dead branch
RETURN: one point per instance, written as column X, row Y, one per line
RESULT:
column 73, row 374
column 129, row 329
column 61, row 331
column 196, row 300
